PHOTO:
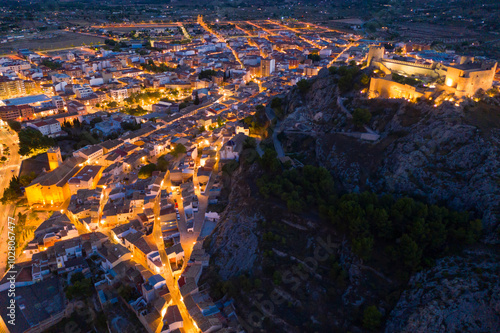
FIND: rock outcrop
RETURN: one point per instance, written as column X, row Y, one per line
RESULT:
column 460, row 294
column 233, row 243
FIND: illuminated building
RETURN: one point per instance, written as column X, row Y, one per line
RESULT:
column 267, row 67
column 52, row 187
column 16, row 112
column 54, row 156
column 463, row 79
column 11, row 88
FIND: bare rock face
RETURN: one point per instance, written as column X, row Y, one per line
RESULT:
column 234, row 243
column 445, row 159
column 459, row 294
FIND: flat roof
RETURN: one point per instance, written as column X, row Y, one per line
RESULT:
column 27, row 100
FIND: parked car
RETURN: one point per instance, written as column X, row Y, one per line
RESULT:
column 190, row 226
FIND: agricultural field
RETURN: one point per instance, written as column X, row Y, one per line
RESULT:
column 58, row 39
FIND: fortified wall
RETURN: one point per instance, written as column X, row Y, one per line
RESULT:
column 463, row 79
column 386, row 88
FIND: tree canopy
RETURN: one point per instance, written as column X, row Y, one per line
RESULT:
column 372, row 318
column 301, row 189
column 162, row 164
column 146, row 171
column 51, row 64
column 14, row 125
column 314, row 57
column 413, row 232
column 146, row 96
column 207, row 74
column 179, row 149
column 32, row 141
column 152, row 67
column 136, row 111
column 303, row 85
column 79, row 289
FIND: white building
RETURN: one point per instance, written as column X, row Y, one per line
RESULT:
column 119, row 94
column 91, row 153
column 49, row 127
column 242, row 129
column 58, row 102
column 14, row 66
column 83, row 91
column 325, row 52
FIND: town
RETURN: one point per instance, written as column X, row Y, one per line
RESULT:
column 113, row 155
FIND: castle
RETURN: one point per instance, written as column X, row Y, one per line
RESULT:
column 461, row 79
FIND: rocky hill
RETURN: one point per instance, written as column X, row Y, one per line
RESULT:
column 443, row 154
column 460, row 294
column 293, row 273
column 289, row 273
column 235, row 241
column 272, row 260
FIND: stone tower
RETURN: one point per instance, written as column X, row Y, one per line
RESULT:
column 375, row 53
column 55, row 159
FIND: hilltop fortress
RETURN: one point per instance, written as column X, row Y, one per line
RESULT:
column 406, row 78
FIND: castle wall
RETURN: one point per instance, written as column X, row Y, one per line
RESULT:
column 410, row 69
column 458, row 81
column 385, row 88
column 470, row 84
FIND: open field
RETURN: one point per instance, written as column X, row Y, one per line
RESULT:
column 51, row 40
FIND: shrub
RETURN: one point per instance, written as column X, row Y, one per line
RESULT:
column 361, row 116
column 372, row 318
column 276, row 102
column 230, row 167
column 303, row 85
column 365, row 79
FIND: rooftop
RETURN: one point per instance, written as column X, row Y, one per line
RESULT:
column 60, row 175
column 34, row 99
column 34, row 304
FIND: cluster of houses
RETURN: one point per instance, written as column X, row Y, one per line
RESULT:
column 126, row 256
column 79, row 81
column 114, row 164
column 110, row 219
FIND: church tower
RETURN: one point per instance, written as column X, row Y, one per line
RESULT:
column 55, row 159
